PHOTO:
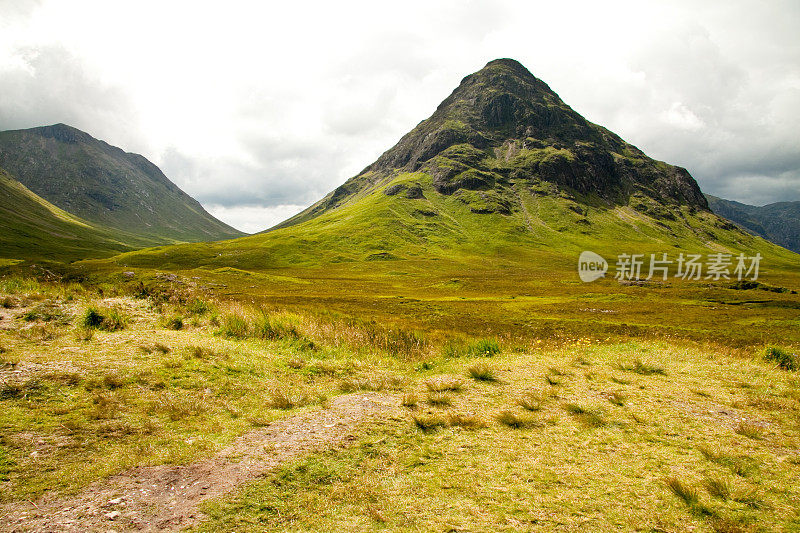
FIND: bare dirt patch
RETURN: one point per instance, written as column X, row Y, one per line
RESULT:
column 166, row 497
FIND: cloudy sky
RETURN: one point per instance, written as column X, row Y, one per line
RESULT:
column 257, row 109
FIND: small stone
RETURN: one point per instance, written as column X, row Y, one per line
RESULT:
column 113, row 515
column 115, row 501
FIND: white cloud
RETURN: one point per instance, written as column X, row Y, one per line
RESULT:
column 271, row 104
column 254, row 218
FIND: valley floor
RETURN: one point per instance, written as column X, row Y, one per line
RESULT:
column 157, row 408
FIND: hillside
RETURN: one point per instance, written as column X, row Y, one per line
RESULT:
column 503, row 171
column 33, row 228
column 778, row 222
column 106, row 186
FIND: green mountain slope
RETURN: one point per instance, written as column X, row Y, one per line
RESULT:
column 503, row 172
column 104, row 185
column 778, row 222
column 33, row 228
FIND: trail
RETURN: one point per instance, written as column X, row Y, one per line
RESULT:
column 166, row 497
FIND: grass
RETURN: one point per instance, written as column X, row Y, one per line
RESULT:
column 135, row 396
column 683, row 491
column 482, row 372
column 782, row 357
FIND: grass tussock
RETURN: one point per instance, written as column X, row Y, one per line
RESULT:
column 429, row 422
column 444, row 384
column 439, row 399
column 482, row 372
column 783, row 358
column 588, row 417
column 718, row 488
column 532, row 400
column 751, row 431
column 283, row 398
column 477, row 348
column 683, row 491
column 637, row 366
column 409, row 400
column 103, row 319
column 516, row 420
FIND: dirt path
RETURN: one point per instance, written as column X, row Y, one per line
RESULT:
column 166, row 497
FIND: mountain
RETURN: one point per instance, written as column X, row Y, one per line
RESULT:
column 104, row 185
column 778, row 222
column 33, row 228
column 503, row 172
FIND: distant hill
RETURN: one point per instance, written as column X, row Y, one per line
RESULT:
column 33, row 228
column 101, row 184
column 778, row 222
column 502, row 172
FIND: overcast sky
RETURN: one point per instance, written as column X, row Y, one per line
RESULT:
column 257, row 109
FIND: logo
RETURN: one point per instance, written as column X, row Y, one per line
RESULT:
column 591, row 266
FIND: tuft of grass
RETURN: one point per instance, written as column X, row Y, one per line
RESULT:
column 466, row 421
column 444, row 384
column 516, row 420
column 588, row 417
column 107, row 320
column 92, row 318
column 234, row 326
column 617, row 398
column 746, row 429
column 532, row 401
column 439, row 399
column 682, row 490
column 283, row 398
column 718, row 488
column 429, row 422
column 409, row 400
column 477, row 348
column 198, row 307
column 738, row 465
column 174, row 323
column 782, row 357
column 642, row 368
column 482, row 372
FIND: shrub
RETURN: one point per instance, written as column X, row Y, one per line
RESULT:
column 783, row 358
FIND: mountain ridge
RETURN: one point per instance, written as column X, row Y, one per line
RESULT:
column 542, row 185
column 778, row 222
column 505, row 112
column 105, row 185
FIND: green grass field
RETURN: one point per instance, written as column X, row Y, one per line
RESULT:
column 532, row 401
